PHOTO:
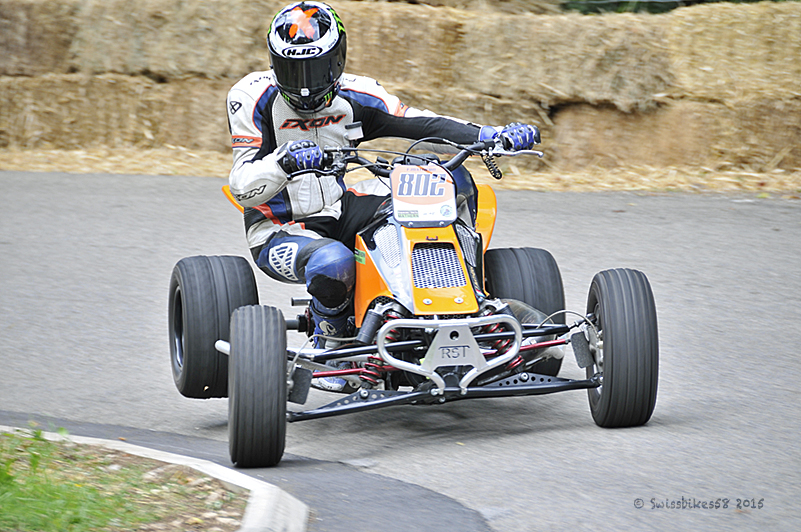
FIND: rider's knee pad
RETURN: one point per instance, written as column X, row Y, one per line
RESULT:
column 282, row 257
column 331, row 274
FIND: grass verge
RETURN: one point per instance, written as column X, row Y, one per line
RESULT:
column 61, row 486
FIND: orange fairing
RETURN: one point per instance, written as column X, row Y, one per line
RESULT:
column 425, row 301
column 487, row 208
column 455, row 300
column 227, row 191
column 369, row 284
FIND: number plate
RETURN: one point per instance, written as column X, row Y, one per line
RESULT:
column 423, row 196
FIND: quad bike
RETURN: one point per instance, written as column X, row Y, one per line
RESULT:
column 438, row 316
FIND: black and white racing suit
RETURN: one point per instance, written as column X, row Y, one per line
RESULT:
column 303, row 230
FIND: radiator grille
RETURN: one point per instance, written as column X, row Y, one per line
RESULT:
column 386, row 238
column 436, row 266
column 469, row 242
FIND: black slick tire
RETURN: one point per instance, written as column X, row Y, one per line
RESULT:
column 204, row 291
column 258, row 388
column 622, row 305
column 532, row 276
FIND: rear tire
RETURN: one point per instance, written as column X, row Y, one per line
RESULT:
column 204, row 291
column 257, row 382
column 625, row 315
column 532, row 276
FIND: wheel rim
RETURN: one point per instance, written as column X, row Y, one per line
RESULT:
column 595, row 369
column 178, row 331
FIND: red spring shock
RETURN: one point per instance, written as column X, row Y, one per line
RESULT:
column 393, row 335
column 501, row 346
column 372, row 371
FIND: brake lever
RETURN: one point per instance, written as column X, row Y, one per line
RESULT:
column 317, row 172
column 499, row 152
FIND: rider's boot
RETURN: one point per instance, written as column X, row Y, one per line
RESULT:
column 329, row 326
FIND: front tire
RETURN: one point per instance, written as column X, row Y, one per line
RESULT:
column 257, row 383
column 204, row 291
column 532, row 276
column 624, row 312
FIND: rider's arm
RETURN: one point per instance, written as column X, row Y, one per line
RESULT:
column 383, row 115
column 255, row 175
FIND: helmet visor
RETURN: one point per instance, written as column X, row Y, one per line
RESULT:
column 316, row 74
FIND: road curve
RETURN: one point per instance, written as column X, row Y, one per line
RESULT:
column 86, row 260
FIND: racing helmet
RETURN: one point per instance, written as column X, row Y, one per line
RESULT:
column 307, row 48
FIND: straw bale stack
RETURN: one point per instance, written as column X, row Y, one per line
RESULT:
column 35, row 36
column 618, row 60
column 72, row 111
column 711, row 85
column 726, row 52
column 169, row 39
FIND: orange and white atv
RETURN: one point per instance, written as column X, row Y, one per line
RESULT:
column 439, row 317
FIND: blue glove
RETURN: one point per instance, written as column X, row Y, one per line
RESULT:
column 517, row 136
column 488, row 133
column 299, row 155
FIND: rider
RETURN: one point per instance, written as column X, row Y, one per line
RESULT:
column 301, row 228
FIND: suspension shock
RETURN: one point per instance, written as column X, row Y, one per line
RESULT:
column 501, row 346
column 393, row 335
column 373, row 370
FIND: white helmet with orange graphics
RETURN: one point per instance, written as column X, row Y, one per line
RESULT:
column 307, row 45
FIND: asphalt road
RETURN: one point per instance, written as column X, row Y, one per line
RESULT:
column 85, row 263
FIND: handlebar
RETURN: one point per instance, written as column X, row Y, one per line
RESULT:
column 337, row 159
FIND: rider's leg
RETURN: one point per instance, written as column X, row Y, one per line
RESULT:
column 325, row 265
column 330, row 277
column 327, row 268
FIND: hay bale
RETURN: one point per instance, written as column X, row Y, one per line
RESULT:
column 681, row 134
column 733, row 51
column 508, row 6
column 172, row 39
column 35, row 36
column 71, row 111
column 402, row 43
column 760, row 136
column 619, row 60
